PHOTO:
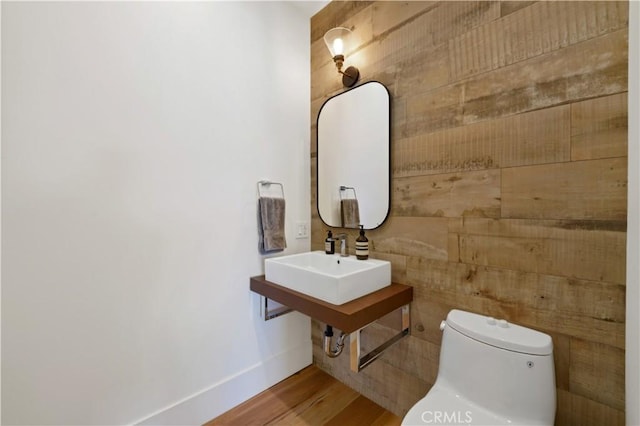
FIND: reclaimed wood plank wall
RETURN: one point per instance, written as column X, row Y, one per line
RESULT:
column 509, row 161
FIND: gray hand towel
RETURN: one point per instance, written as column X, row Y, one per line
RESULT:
column 350, row 213
column 271, row 224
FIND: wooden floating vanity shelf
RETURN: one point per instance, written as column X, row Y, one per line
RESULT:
column 350, row 317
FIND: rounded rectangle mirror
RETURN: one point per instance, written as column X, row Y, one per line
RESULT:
column 353, row 161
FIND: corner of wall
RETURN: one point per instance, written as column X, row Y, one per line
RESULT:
column 632, row 373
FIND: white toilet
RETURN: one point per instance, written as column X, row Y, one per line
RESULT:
column 491, row 373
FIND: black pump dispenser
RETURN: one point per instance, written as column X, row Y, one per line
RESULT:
column 329, row 244
column 362, row 246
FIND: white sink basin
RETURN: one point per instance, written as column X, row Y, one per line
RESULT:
column 328, row 277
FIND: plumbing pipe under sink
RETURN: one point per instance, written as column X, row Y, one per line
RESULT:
column 328, row 334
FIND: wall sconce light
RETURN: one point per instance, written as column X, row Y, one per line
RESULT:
column 336, row 40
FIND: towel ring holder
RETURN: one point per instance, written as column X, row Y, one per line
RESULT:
column 269, row 183
column 345, row 188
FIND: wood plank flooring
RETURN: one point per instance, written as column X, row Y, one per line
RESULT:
column 309, row 397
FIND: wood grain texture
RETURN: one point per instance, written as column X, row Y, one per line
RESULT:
column 572, row 74
column 576, row 410
column 507, row 7
column 532, row 31
column 509, row 145
column 411, row 236
column 309, row 397
column 599, row 128
column 575, row 249
column 594, row 189
column 588, row 379
column 504, row 142
column 474, row 193
column 347, row 317
column 387, row 15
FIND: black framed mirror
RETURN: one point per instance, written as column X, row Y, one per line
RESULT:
column 353, row 161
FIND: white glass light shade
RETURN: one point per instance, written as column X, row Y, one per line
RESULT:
column 337, row 39
column 338, row 47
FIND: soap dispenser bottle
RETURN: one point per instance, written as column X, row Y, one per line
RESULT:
column 329, row 244
column 362, row 246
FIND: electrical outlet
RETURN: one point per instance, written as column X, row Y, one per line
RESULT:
column 302, row 230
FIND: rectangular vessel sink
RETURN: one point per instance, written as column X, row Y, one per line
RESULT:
column 327, row 277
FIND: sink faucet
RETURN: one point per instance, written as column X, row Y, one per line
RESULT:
column 343, row 244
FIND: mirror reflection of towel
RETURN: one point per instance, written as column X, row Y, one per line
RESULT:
column 350, row 213
column 271, row 224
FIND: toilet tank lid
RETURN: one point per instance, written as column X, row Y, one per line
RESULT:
column 500, row 333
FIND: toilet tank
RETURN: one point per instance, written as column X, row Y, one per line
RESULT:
column 503, row 367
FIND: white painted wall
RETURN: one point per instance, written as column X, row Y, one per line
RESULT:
column 632, row 354
column 133, row 137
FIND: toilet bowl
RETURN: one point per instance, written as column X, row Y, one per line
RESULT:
column 491, row 372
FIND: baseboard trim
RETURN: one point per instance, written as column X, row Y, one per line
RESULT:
column 226, row 394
